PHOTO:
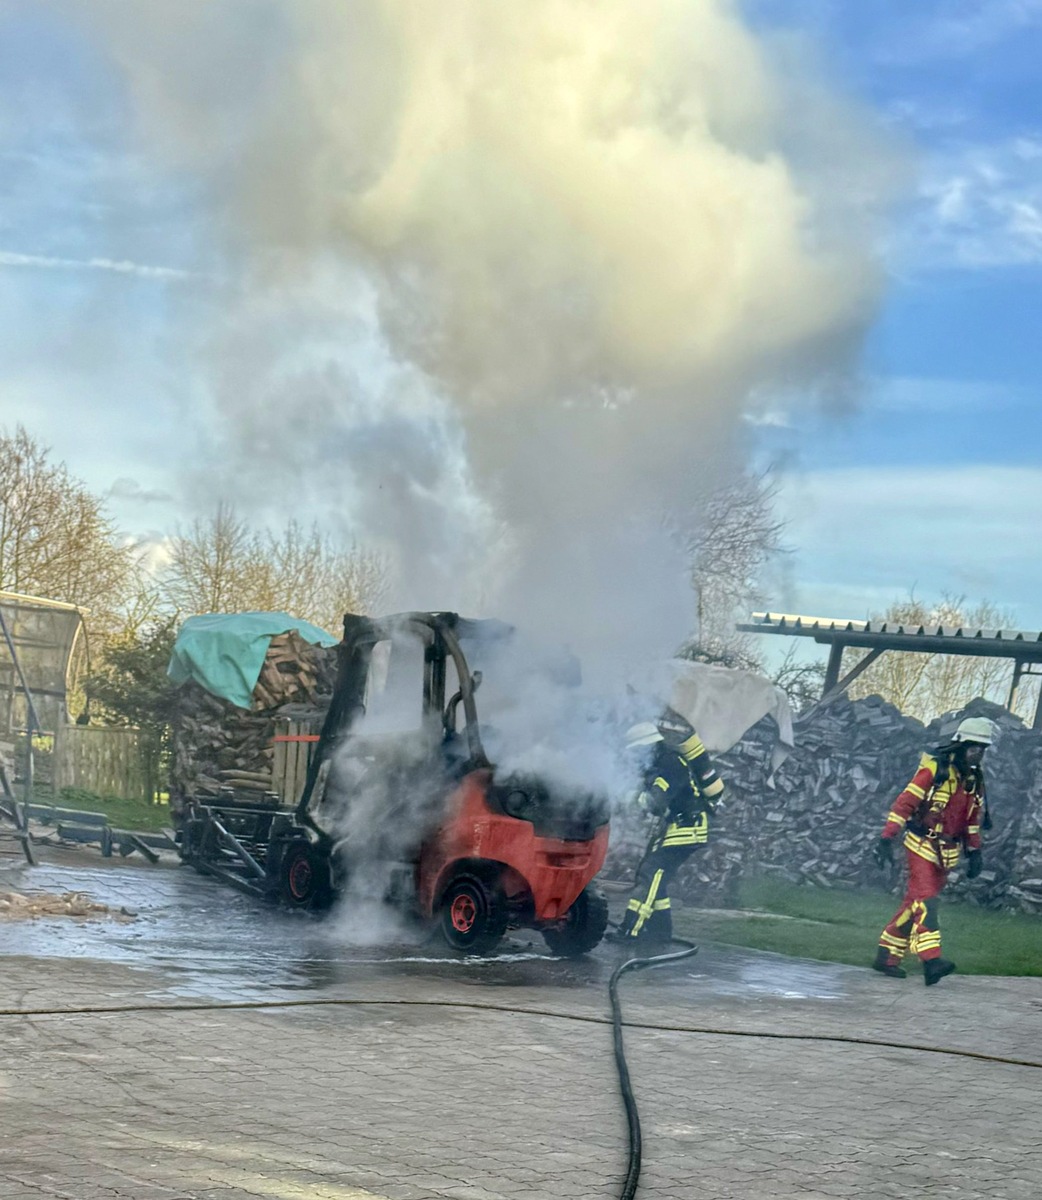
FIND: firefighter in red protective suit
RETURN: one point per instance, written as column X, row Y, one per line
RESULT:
column 940, row 811
column 681, row 787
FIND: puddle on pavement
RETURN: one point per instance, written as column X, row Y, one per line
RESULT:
column 217, row 942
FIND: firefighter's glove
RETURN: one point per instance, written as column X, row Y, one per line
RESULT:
column 653, row 802
column 974, row 863
column 884, row 853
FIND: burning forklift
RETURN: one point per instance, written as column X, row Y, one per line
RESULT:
column 401, row 803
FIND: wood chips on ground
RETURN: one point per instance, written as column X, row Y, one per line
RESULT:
column 14, row 906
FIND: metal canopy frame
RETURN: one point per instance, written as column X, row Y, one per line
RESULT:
column 1023, row 648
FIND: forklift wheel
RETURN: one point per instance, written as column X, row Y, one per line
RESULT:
column 582, row 928
column 474, row 914
column 304, row 878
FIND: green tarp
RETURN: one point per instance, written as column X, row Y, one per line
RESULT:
column 224, row 652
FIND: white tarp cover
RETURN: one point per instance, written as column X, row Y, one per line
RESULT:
column 723, row 704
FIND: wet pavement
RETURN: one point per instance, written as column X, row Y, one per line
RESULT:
column 211, row 940
column 217, row 1048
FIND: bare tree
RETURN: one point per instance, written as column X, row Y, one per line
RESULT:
column 926, row 685
column 800, row 679
column 221, row 565
column 737, row 533
column 55, row 538
column 207, row 571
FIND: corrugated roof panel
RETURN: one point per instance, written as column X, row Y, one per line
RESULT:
column 795, row 622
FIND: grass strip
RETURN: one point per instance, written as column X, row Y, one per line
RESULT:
column 844, row 927
column 122, row 814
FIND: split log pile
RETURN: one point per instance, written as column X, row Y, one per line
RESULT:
column 217, row 744
column 818, row 820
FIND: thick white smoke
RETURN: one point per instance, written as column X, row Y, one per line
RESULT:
column 498, row 280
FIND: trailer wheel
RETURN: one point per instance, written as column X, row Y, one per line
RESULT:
column 191, row 841
column 304, row 879
column 581, row 928
column 474, row 913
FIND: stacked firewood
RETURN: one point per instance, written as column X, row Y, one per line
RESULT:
column 817, row 821
column 217, row 744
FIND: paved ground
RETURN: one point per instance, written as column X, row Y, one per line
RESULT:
column 397, row 1074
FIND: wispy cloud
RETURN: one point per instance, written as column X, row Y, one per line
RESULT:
column 969, row 26
column 126, row 488
column 950, row 30
column 871, row 530
column 979, row 206
column 9, row 258
column 943, row 397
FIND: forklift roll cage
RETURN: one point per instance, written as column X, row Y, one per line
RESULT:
column 438, row 633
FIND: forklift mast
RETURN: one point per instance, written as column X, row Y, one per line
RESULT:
column 438, row 633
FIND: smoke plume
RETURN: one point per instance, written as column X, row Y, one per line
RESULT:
column 497, row 281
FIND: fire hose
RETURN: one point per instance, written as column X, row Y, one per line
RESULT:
column 628, row 1099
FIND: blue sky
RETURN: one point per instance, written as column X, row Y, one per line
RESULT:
column 933, row 481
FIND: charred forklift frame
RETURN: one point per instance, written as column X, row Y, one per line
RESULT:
column 496, row 853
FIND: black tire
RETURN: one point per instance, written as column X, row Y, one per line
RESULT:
column 474, row 913
column 191, row 841
column 197, row 844
column 582, row 928
column 304, row 877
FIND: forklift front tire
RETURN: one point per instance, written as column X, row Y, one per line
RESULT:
column 304, row 879
column 474, row 914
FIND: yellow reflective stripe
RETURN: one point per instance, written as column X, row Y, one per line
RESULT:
column 692, row 748
column 687, row 835
column 662, row 905
column 923, row 847
column 714, row 788
column 972, row 829
column 895, row 818
column 661, row 784
column 648, row 907
column 916, row 790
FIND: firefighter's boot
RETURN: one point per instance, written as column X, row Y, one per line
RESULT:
column 885, row 967
column 935, row 969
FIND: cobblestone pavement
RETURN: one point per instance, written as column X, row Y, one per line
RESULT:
column 415, row 1080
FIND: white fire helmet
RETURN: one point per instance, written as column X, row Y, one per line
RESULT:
column 643, row 734
column 975, row 729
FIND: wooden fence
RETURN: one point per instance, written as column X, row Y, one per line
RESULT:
column 294, row 748
column 105, row 761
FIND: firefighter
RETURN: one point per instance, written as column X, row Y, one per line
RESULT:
column 941, row 810
column 681, row 788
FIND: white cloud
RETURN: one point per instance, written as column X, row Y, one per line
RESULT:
column 155, row 552
column 963, row 28
column 944, row 397
column 126, row 488
column 970, row 26
column 878, row 532
column 979, row 206
column 775, row 418
column 9, row 258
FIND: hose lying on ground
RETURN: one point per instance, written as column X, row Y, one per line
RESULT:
column 628, row 1099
